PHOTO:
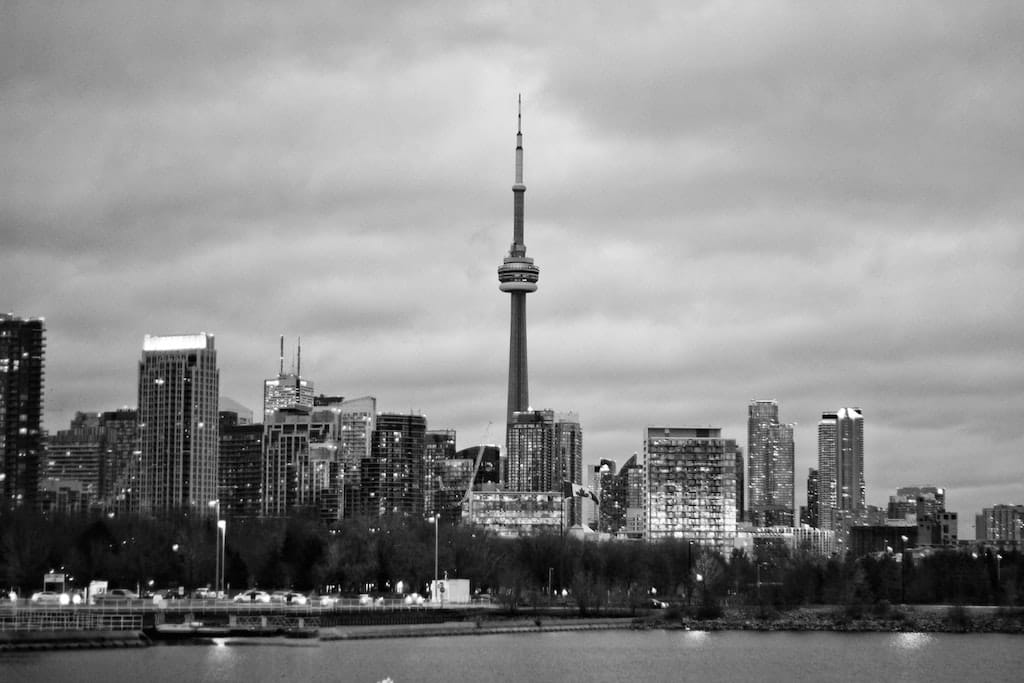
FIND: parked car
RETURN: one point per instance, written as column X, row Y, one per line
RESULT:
column 50, row 598
column 323, row 600
column 365, row 599
column 116, row 594
column 414, row 599
column 654, row 603
column 253, row 595
column 288, row 597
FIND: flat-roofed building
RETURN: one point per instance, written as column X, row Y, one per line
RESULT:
column 178, row 424
column 515, row 513
column 22, row 355
column 690, row 486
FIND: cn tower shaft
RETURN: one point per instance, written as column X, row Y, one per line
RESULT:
column 518, row 276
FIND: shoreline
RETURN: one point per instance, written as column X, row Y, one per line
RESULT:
column 887, row 619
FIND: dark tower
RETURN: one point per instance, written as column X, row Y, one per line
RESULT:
column 22, row 351
column 518, row 276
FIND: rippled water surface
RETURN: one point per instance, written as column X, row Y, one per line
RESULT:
column 563, row 656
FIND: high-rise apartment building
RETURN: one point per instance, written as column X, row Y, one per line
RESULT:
column 22, row 349
column 1000, row 523
column 912, row 503
column 357, row 418
column 241, row 467
column 304, row 463
column 288, row 389
column 841, row 495
column 690, row 485
column 72, row 473
column 178, row 424
column 545, row 449
column 121, row 459
column 438, row 448
column 809, row 512
column 770, row 453
column 391, row 479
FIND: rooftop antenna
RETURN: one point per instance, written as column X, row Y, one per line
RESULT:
column 298, row 363
column 281, row 370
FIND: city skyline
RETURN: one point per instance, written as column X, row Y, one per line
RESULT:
column 814, row 205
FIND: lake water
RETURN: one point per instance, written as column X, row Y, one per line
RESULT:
column 562, row 656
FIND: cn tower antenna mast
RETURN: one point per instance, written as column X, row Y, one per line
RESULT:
column 517, row 275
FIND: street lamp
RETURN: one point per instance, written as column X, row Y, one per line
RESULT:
column 218, row 548
column 433, row 589
column 903, row 569
column 222, row 533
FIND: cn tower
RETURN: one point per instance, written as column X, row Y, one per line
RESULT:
column 518, row 276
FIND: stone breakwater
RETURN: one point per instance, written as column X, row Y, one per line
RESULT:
column 13, row 641
column 937, row 619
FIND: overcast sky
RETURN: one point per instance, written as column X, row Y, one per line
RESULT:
column 818, row 203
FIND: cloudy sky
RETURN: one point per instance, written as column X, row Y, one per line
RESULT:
column 813, row 202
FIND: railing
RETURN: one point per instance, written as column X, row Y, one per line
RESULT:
column 140, row 607
column 65, row 619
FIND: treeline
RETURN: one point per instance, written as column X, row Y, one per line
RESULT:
column 375, row 555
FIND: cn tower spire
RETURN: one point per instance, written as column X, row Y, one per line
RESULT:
column 518, row 276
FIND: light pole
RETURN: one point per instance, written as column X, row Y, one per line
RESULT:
column 903, row 569
column 217, row 548
column 433, row 589
column 222, row 532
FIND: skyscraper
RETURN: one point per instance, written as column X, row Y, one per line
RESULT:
column 22, row 346
column 518, row 276
column 809, row 512
column 241, row 467
column 841, row 468
column 391, row 479
column 303, row 468
column 544, row 450
column 770, row 464
column 178, row 424
column 288, row 389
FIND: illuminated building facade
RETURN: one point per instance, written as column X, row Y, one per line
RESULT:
column 809, row 512
column 545, row 449
column 914, row 503
column 22, row 350
column 841, row 495
column 303, row 465
column 391, row 479
column 1000, row 523
column 288, row 389
column 515, row 513
column 690, row 486
column 438, row 447
column 178, row 424
column 241, row 467
column 770, row 475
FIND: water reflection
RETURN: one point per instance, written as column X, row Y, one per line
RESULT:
column 695, row 638
column 911, row 641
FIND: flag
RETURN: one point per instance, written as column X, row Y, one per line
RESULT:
column 570, row 490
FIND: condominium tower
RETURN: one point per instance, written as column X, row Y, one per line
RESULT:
column 841, row 468
column 22, row 346
column 178, row 424
column 690, row 485
column 770, row 466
